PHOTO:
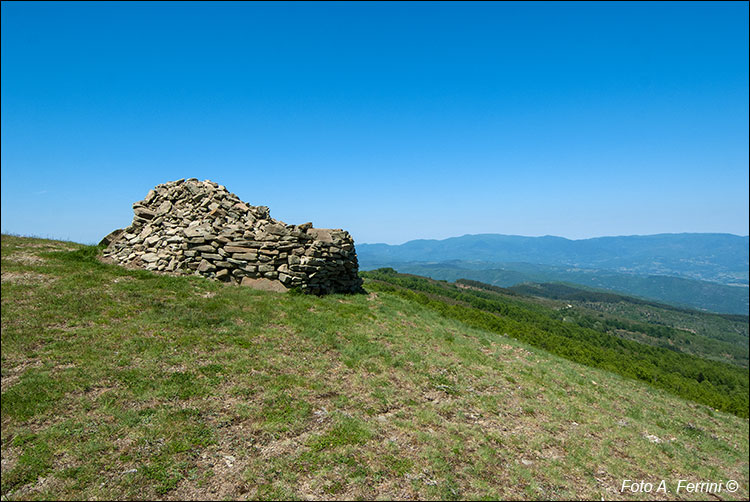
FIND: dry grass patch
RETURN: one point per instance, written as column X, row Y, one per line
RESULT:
column 26, row 278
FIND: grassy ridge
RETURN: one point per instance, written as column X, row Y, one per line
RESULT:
column 720, row 385
column 123, row 384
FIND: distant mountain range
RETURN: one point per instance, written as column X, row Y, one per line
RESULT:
column 705, row 271
column 721, row 258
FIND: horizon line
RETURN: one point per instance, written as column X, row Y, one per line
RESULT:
column 557, row 237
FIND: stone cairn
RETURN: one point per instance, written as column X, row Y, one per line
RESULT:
column 198, row 227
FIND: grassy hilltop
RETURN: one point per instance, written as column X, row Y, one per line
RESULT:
column 124, row 384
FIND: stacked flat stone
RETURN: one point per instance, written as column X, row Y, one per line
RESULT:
column 198, row 227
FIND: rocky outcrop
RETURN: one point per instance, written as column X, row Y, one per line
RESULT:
column 198, row 227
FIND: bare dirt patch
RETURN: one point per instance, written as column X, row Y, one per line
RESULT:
column 25, row 278
column 222, row 466
column 14, row 374
column 25, row 258
column 69, row 327
column 9, row 382
column 48, row 246
column 9, row 458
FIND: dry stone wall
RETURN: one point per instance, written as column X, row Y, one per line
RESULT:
column 198, row 227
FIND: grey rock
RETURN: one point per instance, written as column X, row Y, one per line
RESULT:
column 195, row 232
column 238, row 249
column 206, row 266
column 164, row 207
column 151, row 240
column 111, row 237
column 150, row 257
column 264, row 284
column 142, row 212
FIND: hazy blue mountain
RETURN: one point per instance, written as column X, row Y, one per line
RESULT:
column 721, row 258
column 678, row 291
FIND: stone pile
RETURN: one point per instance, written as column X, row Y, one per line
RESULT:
column 198, row 227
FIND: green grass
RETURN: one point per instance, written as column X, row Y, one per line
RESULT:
column 123, row 384
column 717, row 384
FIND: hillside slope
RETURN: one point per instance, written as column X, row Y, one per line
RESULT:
column 580, row 338
column 123, row 384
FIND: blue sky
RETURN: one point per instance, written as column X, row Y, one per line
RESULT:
column 395, row 121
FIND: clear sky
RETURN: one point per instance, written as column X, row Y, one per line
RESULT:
column 395, row 121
